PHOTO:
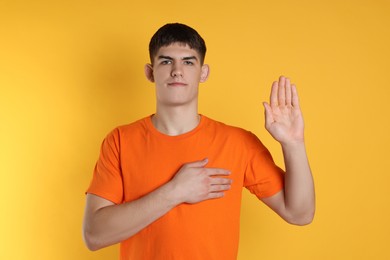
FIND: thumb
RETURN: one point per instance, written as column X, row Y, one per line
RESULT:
column 268, row 114
column 198, row 164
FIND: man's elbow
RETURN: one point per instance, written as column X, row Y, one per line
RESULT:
column 301, row 219
column 91, row 241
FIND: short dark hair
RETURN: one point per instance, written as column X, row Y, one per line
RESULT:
column 177, row 33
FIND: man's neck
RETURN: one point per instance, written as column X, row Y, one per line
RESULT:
column 175, row 121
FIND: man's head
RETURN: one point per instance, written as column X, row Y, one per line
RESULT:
column 177, row 33
column 177, row 65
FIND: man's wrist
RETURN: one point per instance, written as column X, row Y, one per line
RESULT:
column 295, row 145
column 170, row 194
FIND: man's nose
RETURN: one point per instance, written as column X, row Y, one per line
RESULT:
column 177, row 70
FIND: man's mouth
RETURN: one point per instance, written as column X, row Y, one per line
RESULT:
column 177, row 84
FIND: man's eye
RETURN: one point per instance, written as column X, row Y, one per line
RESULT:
column 187, row 62
column 164, row 62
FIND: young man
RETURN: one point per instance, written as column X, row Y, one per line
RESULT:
column 169, row 185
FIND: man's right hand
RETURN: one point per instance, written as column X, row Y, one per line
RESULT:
column 194, row 182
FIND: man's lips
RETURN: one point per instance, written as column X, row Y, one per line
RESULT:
column 177, row 84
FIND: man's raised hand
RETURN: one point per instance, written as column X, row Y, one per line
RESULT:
column 283, row 116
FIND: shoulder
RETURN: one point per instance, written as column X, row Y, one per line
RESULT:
column 136, row 129
column 232, row 132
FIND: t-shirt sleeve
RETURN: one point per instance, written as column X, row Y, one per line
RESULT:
column 107, row 175
column 262, row 177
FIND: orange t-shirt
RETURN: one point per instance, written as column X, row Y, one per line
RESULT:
column 136, row 159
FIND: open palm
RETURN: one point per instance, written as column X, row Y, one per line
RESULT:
column 283, row 116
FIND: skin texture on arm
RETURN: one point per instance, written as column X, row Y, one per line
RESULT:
column 284, row 121
column 106, row 223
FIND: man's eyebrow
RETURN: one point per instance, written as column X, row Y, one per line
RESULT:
column 163, row 57
column 190, row 58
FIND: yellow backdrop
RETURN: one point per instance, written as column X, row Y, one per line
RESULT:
column 70, row 71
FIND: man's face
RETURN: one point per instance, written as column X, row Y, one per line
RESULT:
column 176, row 71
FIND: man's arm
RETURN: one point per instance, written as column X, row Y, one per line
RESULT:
column 284, row 121
column 106, row 223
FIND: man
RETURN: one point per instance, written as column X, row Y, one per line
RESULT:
column 169, row 185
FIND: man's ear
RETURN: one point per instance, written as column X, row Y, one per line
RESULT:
column 149, row 72
column 204, row 73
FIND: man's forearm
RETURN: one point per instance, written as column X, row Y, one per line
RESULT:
column 299, row 186
column 112, row 224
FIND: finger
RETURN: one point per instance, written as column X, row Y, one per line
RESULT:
column 197, row 164
column 295, row 98
column 288, row 92
column 217, row 171
column 274, row 94
column 282, row 91
column 215, row 195
column 219, row 188
column 220, row 181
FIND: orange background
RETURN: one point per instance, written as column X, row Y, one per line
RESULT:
column 70, row 71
